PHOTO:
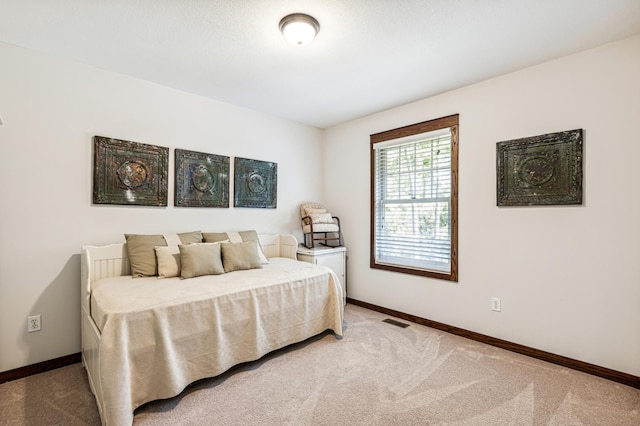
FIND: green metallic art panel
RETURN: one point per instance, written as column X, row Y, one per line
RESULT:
column 129, row 173
column 202, row 180
column 540, row 170
column 255, row 183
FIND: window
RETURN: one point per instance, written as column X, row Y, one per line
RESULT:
column 414, row 199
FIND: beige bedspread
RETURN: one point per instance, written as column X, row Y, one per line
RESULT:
column 159, row 335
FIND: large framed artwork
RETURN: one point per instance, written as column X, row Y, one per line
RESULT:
column 129, row 173
column 202, row 180
column 540, row 170
column 255, row 183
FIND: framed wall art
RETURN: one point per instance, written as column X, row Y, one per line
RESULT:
column 540, row 170
column 202, row 180
column 255, row 183
column 129, row 173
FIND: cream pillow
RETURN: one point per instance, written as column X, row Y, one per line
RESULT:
column 321, row 218
column 311, row 211
column 200, row 259
column 240, row 256
column 214, row 237
column 141, row 253
column 169, row 264
column 190, row 237
column 236, row 237
column 253, row 236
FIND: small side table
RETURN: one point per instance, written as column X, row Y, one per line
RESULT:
column 335, row 258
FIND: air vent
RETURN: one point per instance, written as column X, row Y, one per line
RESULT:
column 396, row 323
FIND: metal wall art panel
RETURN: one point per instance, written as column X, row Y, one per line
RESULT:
column 202, row 180
column 255, row 183
column 129, row 173
column 540, row 170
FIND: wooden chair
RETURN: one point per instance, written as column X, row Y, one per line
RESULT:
column 319, row 225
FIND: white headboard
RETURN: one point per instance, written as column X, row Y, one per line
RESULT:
column 99, row 262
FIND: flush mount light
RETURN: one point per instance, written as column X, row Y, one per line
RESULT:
column 299, row 29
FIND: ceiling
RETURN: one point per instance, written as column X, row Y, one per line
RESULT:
column 370, row 55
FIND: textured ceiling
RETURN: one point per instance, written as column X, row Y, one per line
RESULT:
column 370, row 55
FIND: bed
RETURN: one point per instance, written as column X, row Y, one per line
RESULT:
column 147, row 338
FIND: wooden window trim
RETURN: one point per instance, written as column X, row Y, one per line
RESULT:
column 450, row 121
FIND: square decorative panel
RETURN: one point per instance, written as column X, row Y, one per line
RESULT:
column 540, row 170
column 129, row 173
column 255, row 183
column 202, row 180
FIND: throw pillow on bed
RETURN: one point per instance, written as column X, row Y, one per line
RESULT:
column 236, row 237
column 200, row 259
column 169, row 264
column 142, row 254
column 240, row 256
column 214, row 237
column 190, row 237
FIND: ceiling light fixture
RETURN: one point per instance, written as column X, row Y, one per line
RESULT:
column 299, row 29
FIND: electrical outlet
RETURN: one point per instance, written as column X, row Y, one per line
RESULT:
column 33, row 323
column 495, row 304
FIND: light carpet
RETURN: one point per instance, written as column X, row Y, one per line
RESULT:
column 378, row 374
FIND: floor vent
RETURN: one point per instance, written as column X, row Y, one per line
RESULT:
column 396, row 323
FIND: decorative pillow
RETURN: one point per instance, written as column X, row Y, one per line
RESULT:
column 200, row 259
column 253, row 236
column 309, row 211
column 236, row 237
column 321, row 218
column 190, row 237
column 169, row 264
column 240, row 256
column 142, row 255
column 214, row 237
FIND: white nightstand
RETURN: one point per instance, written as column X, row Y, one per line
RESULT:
column 335, row 258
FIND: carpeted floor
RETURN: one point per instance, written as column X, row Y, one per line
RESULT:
column 378, row 374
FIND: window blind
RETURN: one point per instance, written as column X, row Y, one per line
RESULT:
column 412, row 202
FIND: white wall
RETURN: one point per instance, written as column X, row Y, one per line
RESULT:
column 569, row 277
column 51, row 110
